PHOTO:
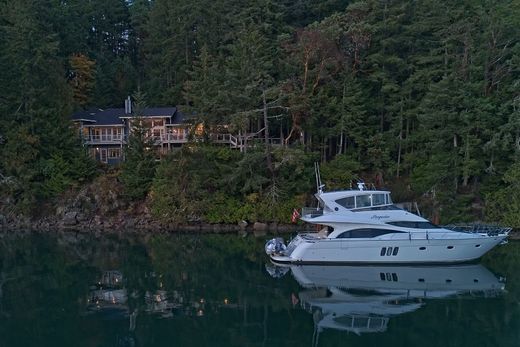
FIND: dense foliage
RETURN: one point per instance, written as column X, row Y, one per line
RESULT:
column 423, row 95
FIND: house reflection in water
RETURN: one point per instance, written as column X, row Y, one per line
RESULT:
column 159, row 304
column 108, row 297
column 362, row 299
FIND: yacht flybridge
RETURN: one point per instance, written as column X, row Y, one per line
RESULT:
column 364, row 226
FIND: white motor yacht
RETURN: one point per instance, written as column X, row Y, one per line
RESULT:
column 364, row 226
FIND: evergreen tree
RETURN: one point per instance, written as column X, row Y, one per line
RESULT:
column 138, row 169
column 40, row 154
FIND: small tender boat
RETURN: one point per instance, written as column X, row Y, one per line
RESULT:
column 364, row 226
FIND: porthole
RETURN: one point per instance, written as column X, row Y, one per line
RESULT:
column 478, row 246
column 336, row 209
column 382, row 276
column 422, row 248
column 389, row 251
column 475, row 280
column 421, row 279
column 383, row 251
column 448, row 281
column 450, row 247
column 396, row 250
column 394, row 277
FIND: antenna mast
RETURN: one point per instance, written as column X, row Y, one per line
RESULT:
column 319, row 184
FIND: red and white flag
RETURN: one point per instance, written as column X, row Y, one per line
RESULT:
column 294, row 299
column 295, row 216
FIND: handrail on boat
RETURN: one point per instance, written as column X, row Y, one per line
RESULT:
column 477, row 228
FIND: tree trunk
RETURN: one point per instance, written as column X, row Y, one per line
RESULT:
column 266, row 138
column 400, row 139
column 340, row 145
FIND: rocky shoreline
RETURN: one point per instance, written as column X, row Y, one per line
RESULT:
column 76, row 221
column 99, row 207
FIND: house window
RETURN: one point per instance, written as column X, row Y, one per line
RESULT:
column 116, row 132
column 199, row 130
column 114, row 153
column 158, row 123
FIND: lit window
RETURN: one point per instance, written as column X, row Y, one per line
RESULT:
column 114, row 153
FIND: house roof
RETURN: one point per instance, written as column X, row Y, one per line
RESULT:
column 114, row 116
column 180, row 118
column 85, row 115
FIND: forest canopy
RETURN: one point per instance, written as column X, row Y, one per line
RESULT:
column 423, row 96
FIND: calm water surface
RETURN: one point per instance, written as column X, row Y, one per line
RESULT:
column 78, row 290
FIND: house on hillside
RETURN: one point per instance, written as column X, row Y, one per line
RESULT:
column 105, row 131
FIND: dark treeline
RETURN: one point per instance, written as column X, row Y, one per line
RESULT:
column 422, row 96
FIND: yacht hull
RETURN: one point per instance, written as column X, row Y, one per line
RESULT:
column 440, row 251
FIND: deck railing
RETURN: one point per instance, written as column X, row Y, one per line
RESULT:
column 174, row 138
column 104, row 138
column 240, row 141
column 491, row 230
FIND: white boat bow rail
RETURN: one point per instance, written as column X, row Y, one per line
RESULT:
column 476, row 228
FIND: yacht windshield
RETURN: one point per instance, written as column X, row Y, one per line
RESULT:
column 363, row 201
column 378, row 199
column 347, row 202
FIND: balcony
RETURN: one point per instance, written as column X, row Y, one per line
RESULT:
column 104, row 139
column 173, row 138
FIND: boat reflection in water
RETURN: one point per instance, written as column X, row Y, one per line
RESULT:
column 362, row 299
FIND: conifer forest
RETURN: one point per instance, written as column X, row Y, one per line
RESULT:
column 418, row 97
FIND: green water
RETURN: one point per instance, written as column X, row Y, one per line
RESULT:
column 81, row 290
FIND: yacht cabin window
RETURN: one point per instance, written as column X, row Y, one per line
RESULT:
column 378, row 199
column 366, row 233
column 347, row 202
column 365, row 200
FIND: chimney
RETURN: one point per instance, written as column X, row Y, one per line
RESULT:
column 128, row 105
